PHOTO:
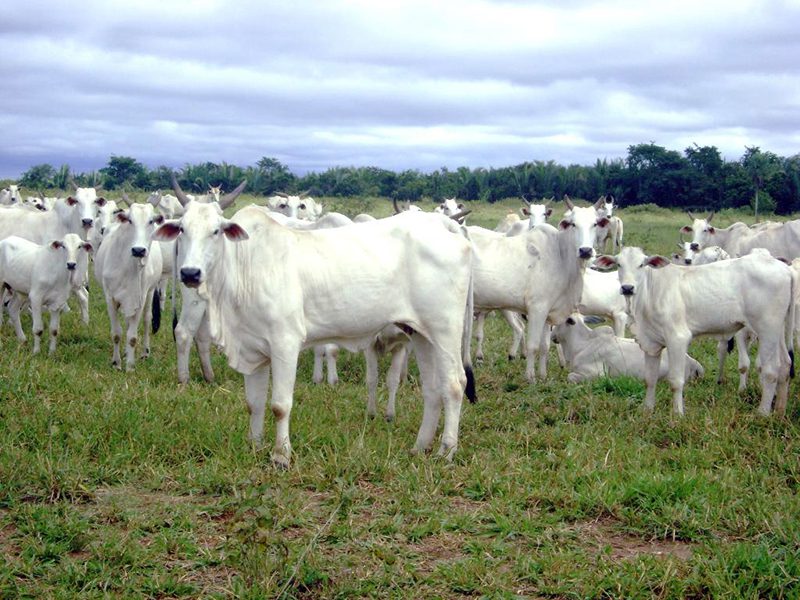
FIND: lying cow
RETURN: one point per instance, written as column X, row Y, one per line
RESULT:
column 592, row 353
column 46, row 275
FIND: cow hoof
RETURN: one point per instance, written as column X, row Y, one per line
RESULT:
column 389, row 418
column 279, row 461
column 115, row 364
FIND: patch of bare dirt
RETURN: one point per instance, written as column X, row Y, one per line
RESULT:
column 604, row 536
column 434, row 549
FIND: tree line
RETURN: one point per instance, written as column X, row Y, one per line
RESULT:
column 697, row 178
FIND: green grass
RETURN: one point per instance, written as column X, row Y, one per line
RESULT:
column 126, row 485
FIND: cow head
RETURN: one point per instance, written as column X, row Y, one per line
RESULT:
column 139, row 223
column 631, row 262
column 702, row 231
column 536, row 213
column 449, row 207
column 585, row 220
column 202, row 230
column 82, row 206
column 76, row 254
column 297, row 207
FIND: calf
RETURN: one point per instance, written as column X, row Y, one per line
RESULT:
column 128, row 267
column 46, row 275
column 671, row 305
column 592, row 353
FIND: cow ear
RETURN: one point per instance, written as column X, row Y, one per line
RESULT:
column 88, row 247
column 525, row 212
column 570, row 321
column 548, row 212
column 167, row 232
column 686, row 229
column 712, row 230
column 234, row 232
column 565, row 224
column 656, row 261
column 56, row 244
column 122, row 217
column 606, row 262
column 100, row 201
column 71, row 201
column 603, row 222
column 158, row 220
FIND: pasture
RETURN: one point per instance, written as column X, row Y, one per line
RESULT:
column 120, row 484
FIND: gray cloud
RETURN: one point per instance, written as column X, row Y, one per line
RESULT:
column 394, row 84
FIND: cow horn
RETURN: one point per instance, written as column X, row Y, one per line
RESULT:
column 71, row 183
column 601, row 201
column 397, row 210
column 305, row 194
column 182, row 197
column 228, row 199
column 568, row 202
column 99, row 186
column 459, row 216
column 41, row 195
column 710, row 215
column 154, row 198
column 691, row 216
column 282, row 194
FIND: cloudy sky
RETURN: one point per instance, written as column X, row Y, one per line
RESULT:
column 397, row 84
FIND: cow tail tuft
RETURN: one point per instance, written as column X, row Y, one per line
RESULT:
column 156, row 310
column 470, row 389
column 730, row 345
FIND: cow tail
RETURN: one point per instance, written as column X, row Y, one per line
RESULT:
column 466, row 337
column 730, row 345
column 156, row 310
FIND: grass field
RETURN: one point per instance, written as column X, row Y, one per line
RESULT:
column 126, row 485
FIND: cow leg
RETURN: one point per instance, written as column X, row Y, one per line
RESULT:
column 193, row 315
column 371, row 358
column 319, row 355
column 203, row 341
column 131, row 339
column 14, row 306
column 284, row 372
column 451, row 382
column 431, row 395
column 331, row 354
column 652, row 364
column 562, row 359
column 677, row 372
column 147, row 315
column 480, row 321
column 38, row 322
column 722, row 352
column 773, row 369
column 620, row 321
column 394, row 376
column 533, row 345
column 544, row 350
column 742, row 347
column 517, row 330
column 82, row 294
column 116, row 331
column 256, row 386
column 55, row 321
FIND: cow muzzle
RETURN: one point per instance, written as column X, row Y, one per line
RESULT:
column 138, row 251
column 71, row 266
column 626, row 290
column 190, row 276
column 87, row 223
column 687, row 261
column 695, row 247
column 585, row 253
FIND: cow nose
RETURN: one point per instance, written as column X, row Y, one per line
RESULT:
column 138, row 251
column 190, row 276
column 695, row 247
column 87, row 223
column 585, row 252
column 627, row 290
column 687, row 261
column 70, row 266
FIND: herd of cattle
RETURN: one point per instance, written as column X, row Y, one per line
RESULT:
column 273, row 280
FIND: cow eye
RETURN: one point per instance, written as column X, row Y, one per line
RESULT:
column 282, row 205
column 302, row 207
column 216, row 232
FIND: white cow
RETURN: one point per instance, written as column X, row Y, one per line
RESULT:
column 128, row 267
column 45, row 275
column 613, row 231
column 671, row 305
column 507, row 222
column 782, row 240
column 264, row 311
column 10, row 196
column 601, row 296
column 593, row 353
column 297, row 207
column 539, row 273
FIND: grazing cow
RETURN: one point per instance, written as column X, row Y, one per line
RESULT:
column 268, row 299
column 128, row 267
column 297, row 207
column 780, row 239
column 672, row 304
column 10, row 196
column 46, row 275
column 593, row 353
